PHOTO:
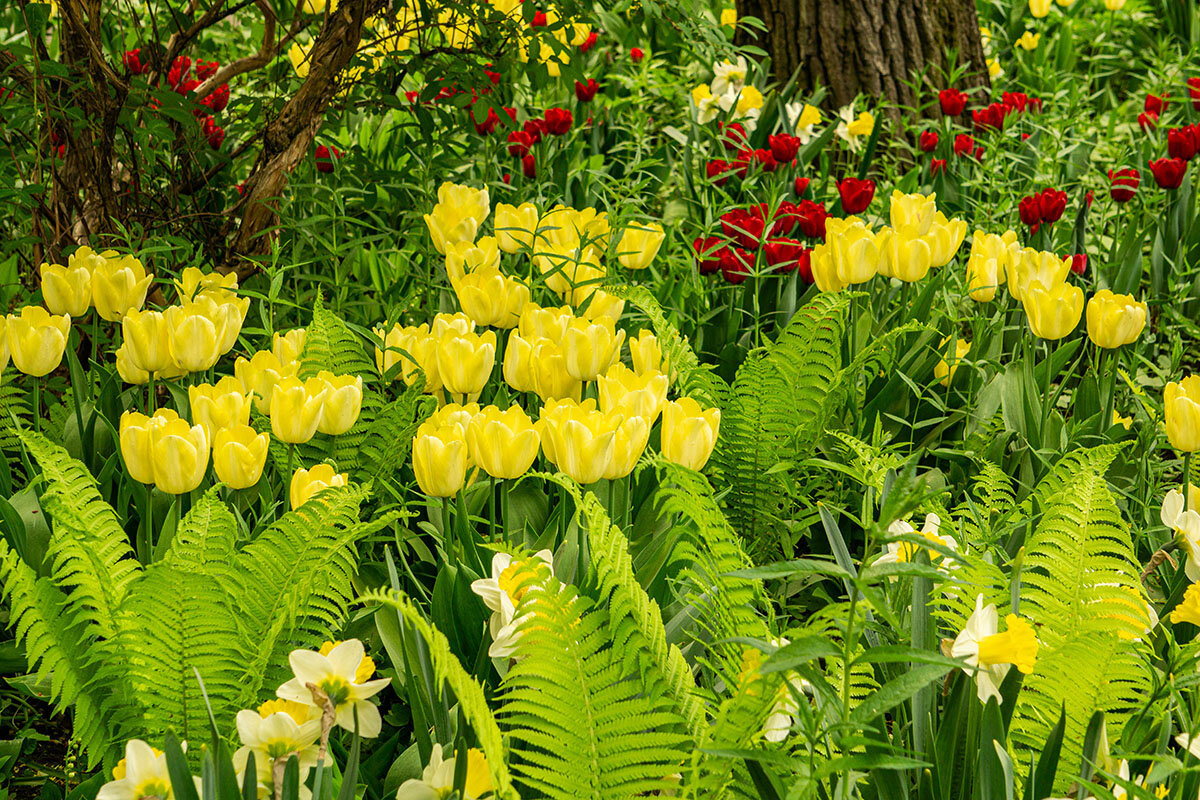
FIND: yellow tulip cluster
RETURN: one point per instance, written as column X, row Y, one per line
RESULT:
column 920, row 238
column 452, row 357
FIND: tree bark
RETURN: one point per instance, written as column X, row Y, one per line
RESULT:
column 878, row 48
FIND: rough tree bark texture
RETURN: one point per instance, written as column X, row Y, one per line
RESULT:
column 873, row 47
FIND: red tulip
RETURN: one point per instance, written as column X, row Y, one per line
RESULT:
column 584, row 92
column 1193, row 85
column 1042, row 208
column 558, row 121
column 1124, row 184
column 990, row 117
column 801, row 186
column 1168, row 172
column 766, row 160
column 708, row 256
column 507, row 178
column 784, row 147
column 528, row 166
column 717, row 171
column 733, row 135
column 589, row 42
column 1183, row 142
column 133, row 62
column 539, row 20
column 488, row 126
column 636, row 54
column 784, row 254
column 217, row 99
column 1079, row 263
column 744, row 228
column 534, row 128
column 786, row 218
column 979, row 152
column 953, row 102
column 928, row 141
column 325, row 157
column 511, row 113
column 1155, row 105
column 735, row 264
column 741, row 163
column 811, row 218
column 519, row 143
column 856, row 194
column 1014, row 101
column 1148, row 120
column 1029, row 211
column 964, row 144
column 1035, row 105
column 937, row 166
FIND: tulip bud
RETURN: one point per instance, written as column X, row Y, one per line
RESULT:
column 118, row 285
column 578, row 439
column 544, row 323
column 623, row 390
column 260, row 374
column 137, row 448
column 164, row 450
column 463, row 258
column 287, row 347
column 147, row 341
column 68, row 290
column 195, row 332
column 239, row 454
column 465, row 362
column 440, row 462
column 1029, row 265
column 307, row 482
column 824, row 271
column 342, row 403
column 1181, row 403
column 1114, row 320
column 515, row 226
column 503, row 444
column 631, row 435
column 944, row 238
column 646, row 354
column 451, row 324
column 129, row 372
column 193, row 283
column 639, row 245
column 856, row 250
column 590, row 347
column 518, row 363
column 37, row 340
column 944, row 371
column 228, row 313
column 689, row 432
column 220, row 406
column 1053, row 312
column 472, row 202
column 296, row 409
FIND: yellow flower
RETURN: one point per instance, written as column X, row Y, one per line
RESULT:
column 985, row 36
column 565, row 266
column 1117, row 419
column 296, row 409
column 590, row 347
column 503, row 443
column 646, row 354
column 141, row 773
column 515, row 226
column 544, row 323
column 1114, row 320
column 749, row 100
column 863, row 125
column 437, row 779
column 1017, row 646
column 413, row 348
column 220, row 406
column 944, row 238
column 912, row 214
column 227, row 312
column 239, row 453
column 632, row 434
column 119, row 283
column 193, row 282
column 1114, row 5
column 639, row 245
column 147, row 341
column 551, row 379
column 1189, row 609
column 904, row 256
column 342, row 402
column 596, row 303
column 336, row 673
column 195, row 332
column 129, row 372
column 944, row 371
column 518, row 363
column 451, row 324
column 1029, row 40
column 37, row 340
column 307, row 482
column 449, row 225
column 577, row 438
column 164, row 450
column 463, row 258
column 824, row 271
column 729, row 17
column 1039, row 8
column 137, row 442
column 465, row 362
column 1053, row 313
column 621, row 389
column 298, row 55
column 1028, row 265
column 68, row 290
column 490, row 298
column 989, row 653
column 287, row 347
column 856, row 251
column 259, row 375
column 988, row 265
column 994, row 68
column 470, row 201
column 1181, row 404
column 440, row 461
column 689, row 432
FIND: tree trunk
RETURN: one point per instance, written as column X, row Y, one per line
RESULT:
column 873, row 47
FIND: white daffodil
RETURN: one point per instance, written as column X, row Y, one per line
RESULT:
column 990, row 653
column 342, row 671
column 1120, row 792
column 783, row 714
column 141, row 773
column 729, row 77
column 897, row 552
column 1186, row 525
column 279, row 728
column 502, row 592
column 708, row 106
column 805, row 118
column 437, row 780
column 853, row 128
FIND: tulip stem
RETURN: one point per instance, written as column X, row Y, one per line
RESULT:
column 291, row 462
column 37, row 405
column 1187, row 478
column 1046, row 399
column 150, row 396
column 492, row 507
column 1114, row 361
column 446, row 524
column 504, row 510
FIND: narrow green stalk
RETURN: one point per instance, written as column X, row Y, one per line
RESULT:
column 37, row 404
column 1187, row 478
column 150, row 389
column 1114, row 361
column 492, row 508
column 504, row 486
column 291, row 462
column 1046, row 399
column 446, row 539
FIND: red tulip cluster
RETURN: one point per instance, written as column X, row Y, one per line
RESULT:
column 184, row 78
column 554, row 122
column 994, row 116
column 1042, row 208
column 1124, row 184
column 753, row 230
column 1193, row 85
column 1183, row 142
column 586, row 92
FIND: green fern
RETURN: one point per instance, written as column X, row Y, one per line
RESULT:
column 15, row 415
column 389, row 436
column 1080, row 587
column 581, row 725
column 466, row 690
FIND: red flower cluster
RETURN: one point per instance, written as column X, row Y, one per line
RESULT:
column 586, row 92
column 856, row 194
column 133, row 62
column 589, row 42
column 993, row 117
column 1168, row 172
column 184, row 78
column 1042, row 208
column 749, row 231
column 325, row 157
column 554, row 122
column 1183, row 142
column 636, row 54
column 1124, row 184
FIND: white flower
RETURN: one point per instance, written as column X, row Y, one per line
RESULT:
column 708, row 106
column 502, row 592
column 990, row 653
column 783, row 713
column 437, row 780
column 729, row 77
column 1186, row 525
column 897, row 552
column 1119, row 791
column 141, row 773
column 279, row 728
column 805, row 118
column 341, row 671
column 852, row 128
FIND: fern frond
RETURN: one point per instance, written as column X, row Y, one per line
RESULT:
column 59, row 649
column 466, row 689
column 88, row 551
column 868, row 463
column 389, row 436
column 581, row 725
column 15, row 416
column 205, row 542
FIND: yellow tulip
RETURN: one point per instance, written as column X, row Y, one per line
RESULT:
column 544, row 323
column 945, row 237
column 465, row 362
column 129, row 372
column 905, row 256
column 856, row 250
column 824, row 271
column 560, row 225
column 689, row 432
column 454, row 415
column 421, row 347
column 194, row 334
column 518, row 363
column 287, row 347
column 490, row 298
column 1054, row 312
column 944, row 371
column 68, row 290
column 147, row 341
column 1029, row 265
column 639, row 245
column 119, row 283
column 307, row 482
column 136, row 433
column 439, row 457
column 296, row 409
column 565, row 266
column 1114, row 320
column 260, row 374
column 180, row 453
column 1029, row 40
column 515, row 226
column 239, row 454
column 1039, row 8
column 451, row 324
column 646, row 354
column 193, row 282
column 590, row 347
column 632, row 434
column 594, row 304
column 448, row 227
column 551, row 380
column 912, row 214
column 503, row 443
column 342, row 403
column 228, row 313
column 1181, row 403
column 474, row 202
column 220, row 406
column 578, row 439
column 463, row 258
column 37, row 340
column 625, row 391
column 1114, row 5
column 987, row 266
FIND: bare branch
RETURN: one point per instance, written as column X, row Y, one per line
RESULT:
column 266, row 52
